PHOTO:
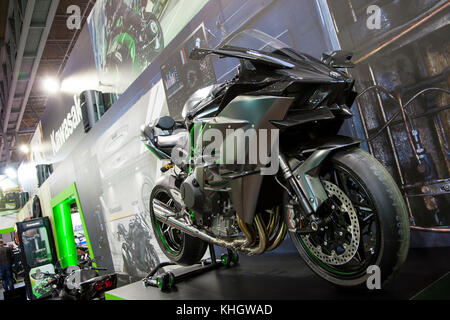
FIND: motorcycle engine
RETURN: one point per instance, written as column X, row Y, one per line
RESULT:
column 222, row 222
column 212, row 210
column 224, row 227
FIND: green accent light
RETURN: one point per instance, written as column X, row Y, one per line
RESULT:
column 224, row 260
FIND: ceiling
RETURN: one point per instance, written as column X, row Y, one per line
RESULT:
column 35, row 43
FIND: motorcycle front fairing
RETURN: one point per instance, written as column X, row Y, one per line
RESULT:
column 266, row 96
column 249, row 112
column 282, row 90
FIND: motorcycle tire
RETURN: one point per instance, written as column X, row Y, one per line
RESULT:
column 153, row 256
column 179, row 247
column 128, row 267
column 390, row 219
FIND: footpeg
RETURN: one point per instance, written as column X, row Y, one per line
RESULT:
column 167, row 167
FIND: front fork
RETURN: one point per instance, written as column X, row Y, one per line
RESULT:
column 309, row 191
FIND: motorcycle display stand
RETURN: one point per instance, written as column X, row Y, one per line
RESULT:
column 167, row 280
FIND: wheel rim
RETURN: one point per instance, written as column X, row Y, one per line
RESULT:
column 370, row 239
column 171, row 238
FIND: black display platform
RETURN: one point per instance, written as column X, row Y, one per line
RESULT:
column 286, row 276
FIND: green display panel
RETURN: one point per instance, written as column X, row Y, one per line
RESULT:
column 64, row 233
column 65, row 237
column 9, row 230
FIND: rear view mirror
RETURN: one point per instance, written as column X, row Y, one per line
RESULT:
column 338, row 59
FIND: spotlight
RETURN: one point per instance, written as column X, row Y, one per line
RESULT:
column 25, row 149
column 11, row 173
column 51, row 85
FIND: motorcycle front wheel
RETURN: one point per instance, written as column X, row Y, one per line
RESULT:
column 367, row 223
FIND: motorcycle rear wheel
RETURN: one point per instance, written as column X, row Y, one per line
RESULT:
column 382, row 217
column 179, row 247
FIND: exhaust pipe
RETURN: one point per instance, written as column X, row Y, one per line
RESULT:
column 165, row 215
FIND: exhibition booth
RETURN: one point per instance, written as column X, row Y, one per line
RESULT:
column 238, row 150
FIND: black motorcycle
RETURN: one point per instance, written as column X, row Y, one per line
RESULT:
column 138, row 253
column 341, row 207
column 82, row 283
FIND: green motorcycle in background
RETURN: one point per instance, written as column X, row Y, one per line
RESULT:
column 134, row 36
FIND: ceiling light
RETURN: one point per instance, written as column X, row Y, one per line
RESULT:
column 51, row 85
column 25, row 149
column 11, row 173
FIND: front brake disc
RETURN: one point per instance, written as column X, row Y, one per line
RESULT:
column 350, row 249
